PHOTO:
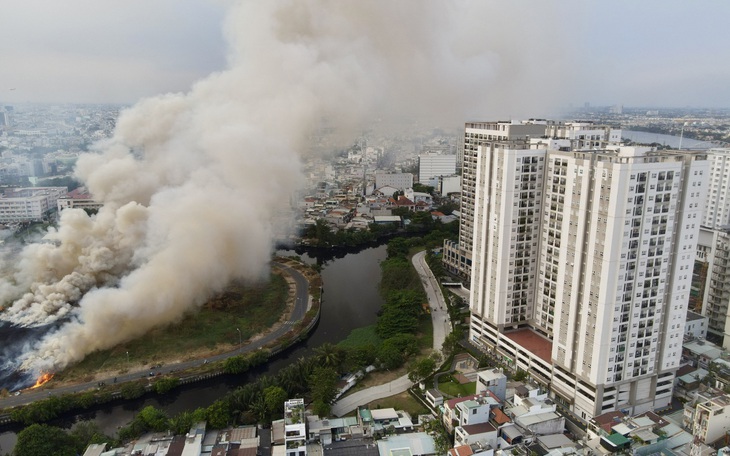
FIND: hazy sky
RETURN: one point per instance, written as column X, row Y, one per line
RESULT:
column 636, row 53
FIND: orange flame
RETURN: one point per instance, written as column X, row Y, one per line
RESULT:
column 42, row 380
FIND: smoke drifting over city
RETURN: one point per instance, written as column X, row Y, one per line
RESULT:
column 191, row 183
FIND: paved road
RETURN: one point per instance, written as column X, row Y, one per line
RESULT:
column 300, row 308
column 439, row 310
column 441, row 327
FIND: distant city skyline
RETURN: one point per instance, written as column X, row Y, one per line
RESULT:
column 650, row 53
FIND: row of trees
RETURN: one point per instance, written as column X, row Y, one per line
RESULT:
column 321, row 235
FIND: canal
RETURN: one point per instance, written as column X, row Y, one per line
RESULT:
column 350, row 301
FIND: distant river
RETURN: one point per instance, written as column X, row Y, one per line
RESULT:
column 644, row 137
column 350, row 300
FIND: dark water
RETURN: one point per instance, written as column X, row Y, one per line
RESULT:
column 350, row 300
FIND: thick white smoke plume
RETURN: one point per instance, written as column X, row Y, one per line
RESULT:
column 191, row 182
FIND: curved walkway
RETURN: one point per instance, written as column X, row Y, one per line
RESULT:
column 441, row 328
column 301, row 305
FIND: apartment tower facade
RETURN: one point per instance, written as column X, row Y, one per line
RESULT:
column 582, row 266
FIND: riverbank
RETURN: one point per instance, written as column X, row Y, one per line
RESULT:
column 303, row 309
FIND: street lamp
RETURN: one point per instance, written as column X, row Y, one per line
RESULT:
column 127, row 360
column 240, row 339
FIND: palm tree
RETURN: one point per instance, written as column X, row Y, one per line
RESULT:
column 329, row 355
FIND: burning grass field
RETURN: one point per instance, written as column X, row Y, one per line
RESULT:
column 212, row 329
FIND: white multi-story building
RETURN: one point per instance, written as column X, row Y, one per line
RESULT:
column 295, row 428
column 582, row 267
column 696, row 326
column 431, row 166
column 401, row 181
column 449, row 184
column 457, row 255
column 78, row 198
column 30, row 204
column 711, row 420
column 712, row 281
column 717, row 208
column 712, row 272
column 583, row 135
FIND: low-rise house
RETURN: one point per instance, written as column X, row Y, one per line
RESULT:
column 688, row 381
column 696, row 326
column 412, row 444
column 484, row 433
column 434, row 398
column 510, row 435
column 472, row 409
column 701, row 353
column 469, row 450
column 382, row 421
column 602, row 424
column 330, row 430
column 711, row 420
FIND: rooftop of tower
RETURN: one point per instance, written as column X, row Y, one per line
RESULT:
column 532, row 341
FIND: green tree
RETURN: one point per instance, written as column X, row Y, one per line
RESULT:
column 394, row 351
column 397, row 247
column 275, row 396
column 152, row 419
column 181, row 423
column 360, row 357
column 423, row 367
column 218, row 414
column 258, row 357
column 86, row 399
column 165, row 385
column 85, row 433
column 44, row 440
column 259, row 410
column 421, row 188
column 132, row 390
column 520, row 376
column 330, row 355
column 397, row 273
column 236, row 364
column 323, row 387
column 400, row 313
column 451, row 342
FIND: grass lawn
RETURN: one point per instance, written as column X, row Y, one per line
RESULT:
column 252, row 309
column 455, row 388
column 402, row 401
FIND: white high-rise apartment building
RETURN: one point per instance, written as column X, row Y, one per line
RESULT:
column 713, row 251
column 584, row 279
column 717, row 209
column 457, row 255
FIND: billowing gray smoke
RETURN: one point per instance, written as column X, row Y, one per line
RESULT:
column 191, row 182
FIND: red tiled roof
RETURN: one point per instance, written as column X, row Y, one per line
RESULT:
column 463, row 450
column 451, row 403
column 500, row 417
column 532, row 342
column 608, row 420
column 403, row 201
